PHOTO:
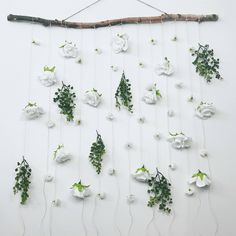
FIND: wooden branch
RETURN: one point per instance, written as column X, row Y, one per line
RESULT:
column 128, row 20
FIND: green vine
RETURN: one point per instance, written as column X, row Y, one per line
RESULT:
column 22, row 184
column 65, row 98
column 96, row 152
column 206, row 65
column 160, row 193
column 123, row 94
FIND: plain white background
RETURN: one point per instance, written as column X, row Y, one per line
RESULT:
column 191, row 216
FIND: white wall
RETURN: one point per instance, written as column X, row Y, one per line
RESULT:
column 192, row 216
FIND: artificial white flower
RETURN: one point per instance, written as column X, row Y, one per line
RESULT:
column 92, row 98
column 170, row 113
column 131, row 198
column 166, row 68
column 50, row 124
column 81, row 191
column 32, row 111
column 48, row 178
column 110, row 117
column 141, row 174
column 60, row 155
column 152, row 95
column 111, row 171
column 200, row 179
column 141, row 64
column 56, row 202
column 203, row 153
column 190, row 98
column 180, row 141
column 102, row 195
column 120, row 43
column 172, row 166
column 48, row 76
column 35, row 42
column 153, row 41
column 205, row 110
column 69, row 50
column 189, row 191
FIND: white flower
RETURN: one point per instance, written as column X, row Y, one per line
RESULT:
column 102, row 195
column 92, row 98
column 35, row 42
column 174, row 39
column 141, row 64
column 205, row 110
column 203, row 153
column 60, row 155
column 190, row 98
column 32, row 111
column 50, row 124
column 120, row 43
column 141, row 119
column 110, row 117
column 200, row 179
column 98, row 51
column 172, row 166
column 153, row 41
column 48, row 178
column 56, row 202
column 81, row 191
column 179, row 141
column 189, row 191
column 152, row 95
column 141, row 174
column 170, row 113
column 114, row 68
column 130, row 198
column 166, row 68
column 111, row 171
column 69, row 50
column 48, row 76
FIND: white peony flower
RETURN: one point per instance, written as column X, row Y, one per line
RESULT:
column 200, row 179
column 166, row 68
column 32, row 111
column 152, row 95
column 81, row 191
column 180, row 141
column 205, row 110
column 69, row 50
column 48, row 76
column 120, row 43
column 60, row 155
column 102, row 195
column 48, row 178
column 92, row 98
column 131, row 198
column 189, row 191
column 141, row 174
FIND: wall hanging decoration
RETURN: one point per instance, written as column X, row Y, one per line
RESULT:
column 80, row 190
column 97, row 150
column 141, row 174
column 32, row 111
column 69, row 50
column 200, row 179
column 65, row 98
column 22, row 180
column 179, row 141
column 152, row 95
column 120, row 43
column 92, row 97
column 123, row 94
column 165, row 68
column 205, row 110
column 205, row 63
column 48, row 76
column 60, row 155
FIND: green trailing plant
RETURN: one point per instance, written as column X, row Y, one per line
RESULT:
column 205, row 63
column 96, row 152
column 123, row 94
column 22, row 180
column 160, row 193
column 65, row 97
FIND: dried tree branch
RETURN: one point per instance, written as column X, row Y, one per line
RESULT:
column 128, row 20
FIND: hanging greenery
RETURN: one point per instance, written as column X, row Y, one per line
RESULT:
column 123, row 94
column 96, row 152
column 206, row 64
column 22, row 182
column 65, row 97
column 160, row 193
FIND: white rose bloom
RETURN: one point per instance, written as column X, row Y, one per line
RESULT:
column 141, row 174
column 80, row 191
column 152, row 95
column 120, row 43
column 32, row 111
column 60, row 155
column 205, row 111
column 92, row 98
column 180, row 141
column 200, row 179
column 69, row 50
column 166, row 68
column 48, row 77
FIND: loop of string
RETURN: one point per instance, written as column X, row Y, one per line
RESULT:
column 113, row 141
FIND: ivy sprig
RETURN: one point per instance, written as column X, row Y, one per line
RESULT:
column 22, row 180
column 160, row 193
column 205, row 63
column 97, row 150
column 65, row 97
column 123, row 94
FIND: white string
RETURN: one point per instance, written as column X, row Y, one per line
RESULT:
column 113, row 141
column 204, row 146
